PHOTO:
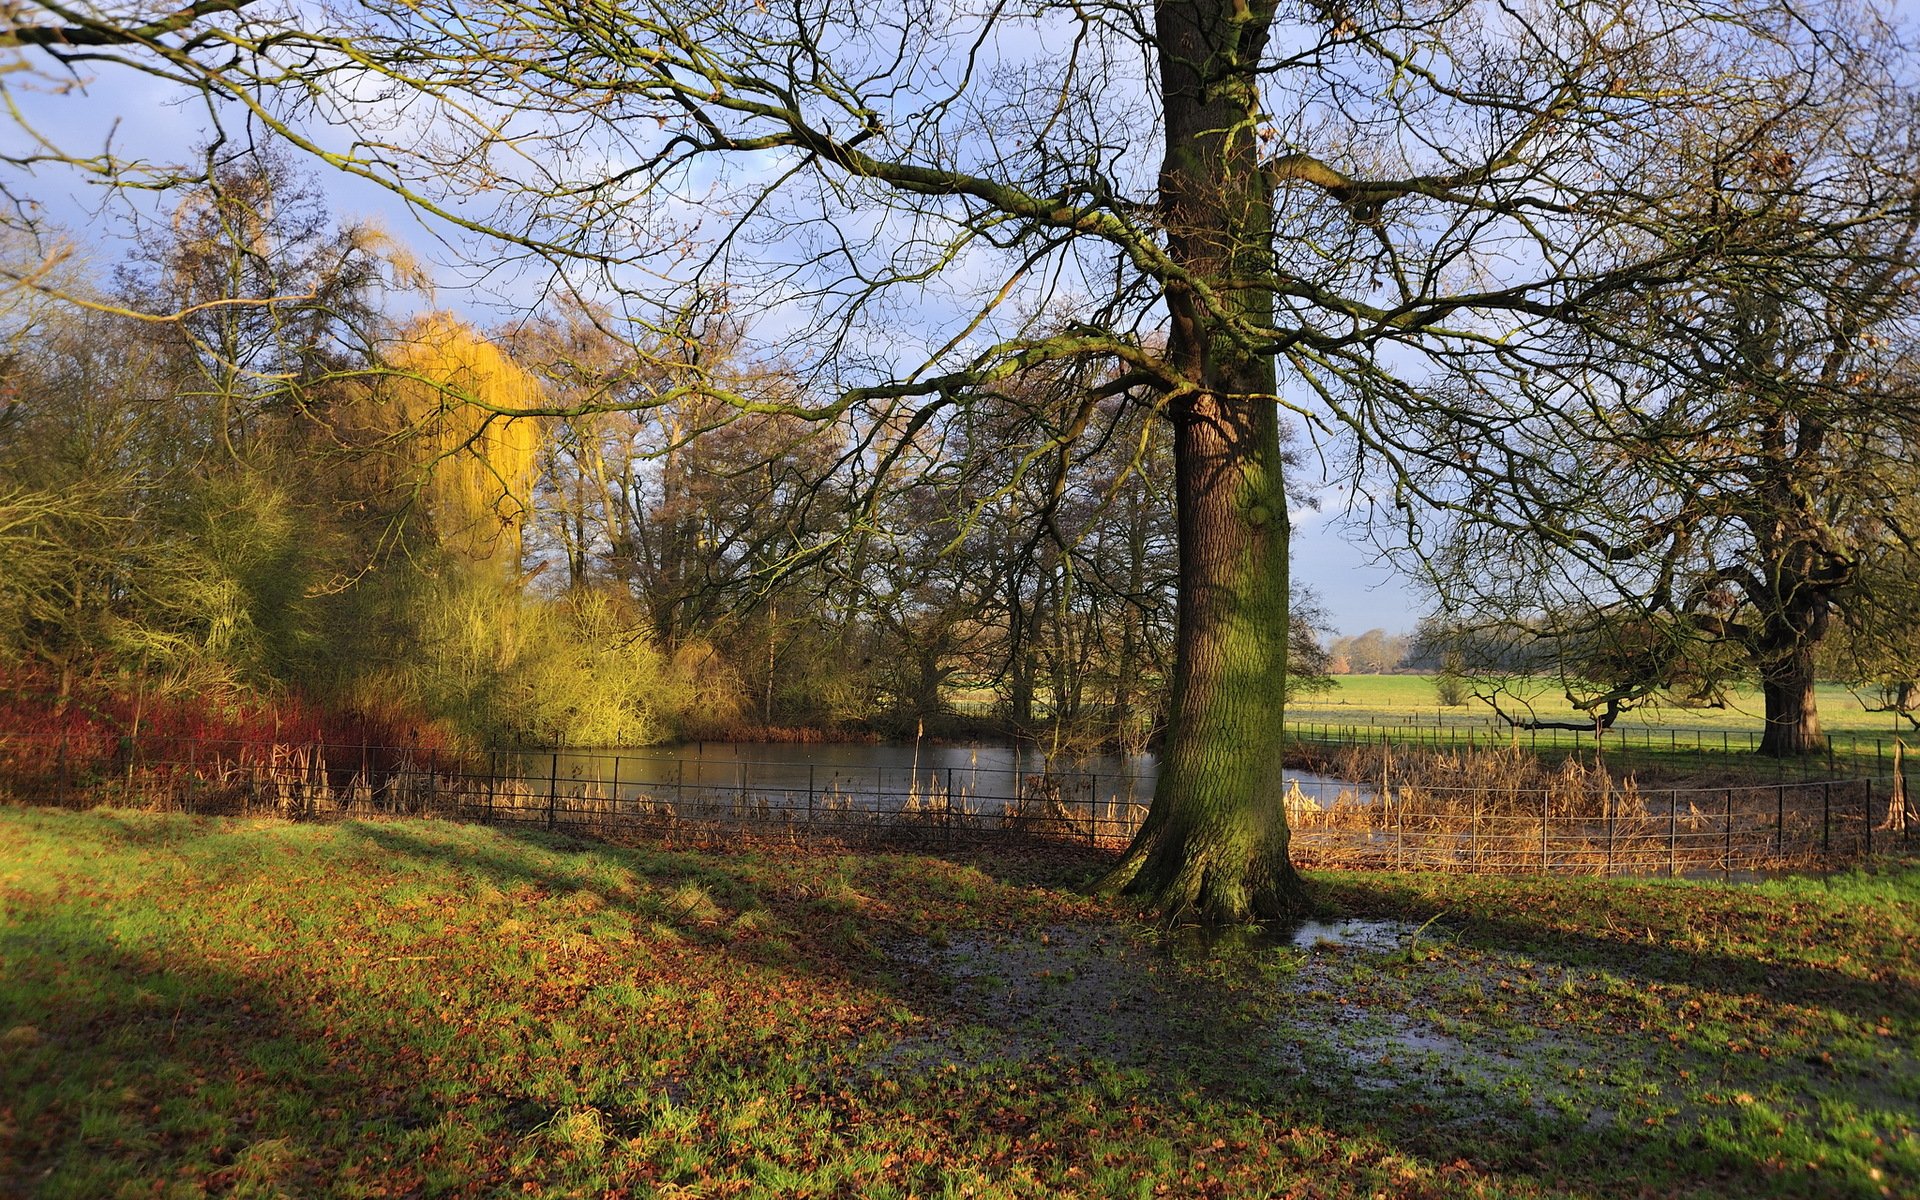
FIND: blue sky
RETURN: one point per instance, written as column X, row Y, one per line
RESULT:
column 1358, row 591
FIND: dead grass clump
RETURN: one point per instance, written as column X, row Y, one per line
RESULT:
column 1489, row 782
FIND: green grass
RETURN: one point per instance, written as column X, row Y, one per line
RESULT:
column 1662, row 738
column 199, row 1006
column 1399, row 698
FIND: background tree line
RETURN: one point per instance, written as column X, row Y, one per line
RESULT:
column 322, row 513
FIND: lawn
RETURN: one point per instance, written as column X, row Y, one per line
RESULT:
column 194, row 1006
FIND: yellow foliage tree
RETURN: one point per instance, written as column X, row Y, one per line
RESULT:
column 449, row 406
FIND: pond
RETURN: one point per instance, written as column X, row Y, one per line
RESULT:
column 870, row 774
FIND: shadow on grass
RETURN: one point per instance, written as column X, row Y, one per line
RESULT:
column 1161, row 1018
column 831, row 899
column 1080, row 1004
column 121, row 1070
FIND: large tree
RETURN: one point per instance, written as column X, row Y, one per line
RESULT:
column 1716, row 476
column 1367, row 196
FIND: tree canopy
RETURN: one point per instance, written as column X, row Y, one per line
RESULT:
column 1718, row 472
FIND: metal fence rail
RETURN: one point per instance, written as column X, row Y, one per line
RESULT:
column 1618, row 829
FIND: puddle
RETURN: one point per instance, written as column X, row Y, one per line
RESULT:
column 1380, row 937
column 1150, row 1000
column 1327, row 1008
column 1373, row 937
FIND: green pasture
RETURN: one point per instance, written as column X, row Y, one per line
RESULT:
column 1404, row 699
column 198, row 1006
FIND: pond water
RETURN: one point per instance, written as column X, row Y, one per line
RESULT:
column 865, row 774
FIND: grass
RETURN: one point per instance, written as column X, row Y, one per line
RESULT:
column 194, row 1006
column 1664, row 737
column 1388, row 699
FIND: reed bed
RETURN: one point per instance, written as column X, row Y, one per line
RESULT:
column 1506, row 811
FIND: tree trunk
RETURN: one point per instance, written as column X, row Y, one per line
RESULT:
column 1793, row 717
column 1019, row 658
column 1798, row 615
column 1121, row 716
column 1214, row 844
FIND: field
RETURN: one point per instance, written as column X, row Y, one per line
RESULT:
column 1388, row 699
column 194, row 1006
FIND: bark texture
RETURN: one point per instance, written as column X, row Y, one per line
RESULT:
column 1214, row 845
column 1786, row 684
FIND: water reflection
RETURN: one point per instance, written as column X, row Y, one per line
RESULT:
column 869, row 774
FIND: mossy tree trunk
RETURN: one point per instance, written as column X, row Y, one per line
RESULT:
column 1214, row 845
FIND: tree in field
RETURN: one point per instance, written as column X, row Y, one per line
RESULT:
column 1059, row 499
column 1374, row 652
column 451, row 403
column 1367, row 198
column 712, row 522
column 1727, row 487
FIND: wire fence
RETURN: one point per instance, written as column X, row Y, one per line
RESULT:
column 1612, row 826
column 1656, row 742
column 1673, row 831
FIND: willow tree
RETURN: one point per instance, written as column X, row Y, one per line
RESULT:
column 1234, row 198
column 451, row 408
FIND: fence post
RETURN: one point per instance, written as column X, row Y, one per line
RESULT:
column 1400, row 834
column 1866, row 802
column 553, row 790
column 614, row 788
column 1673, row 833
column 1726, row 854
column 809, row 795
column 949, row 806
column 1779, row 821
column 1606, row 801
column 1826, row 816
column 1475, row 846
column 1544, row 795
column 493, row 780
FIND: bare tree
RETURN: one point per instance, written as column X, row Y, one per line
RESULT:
column 1717, row 467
